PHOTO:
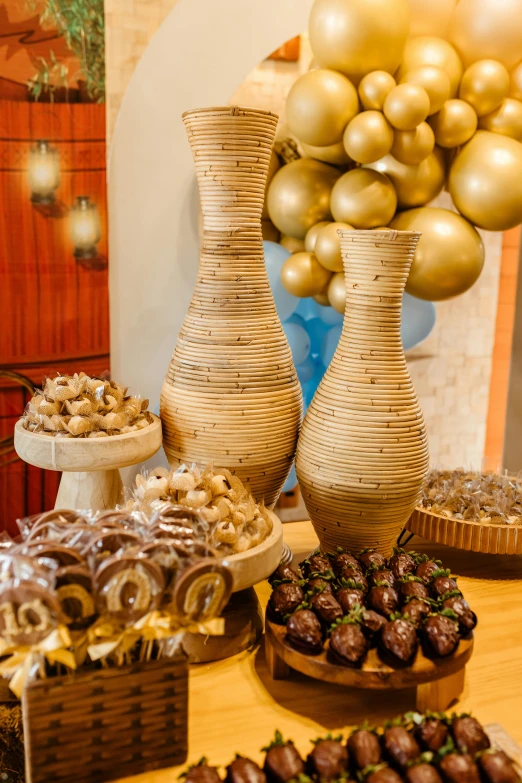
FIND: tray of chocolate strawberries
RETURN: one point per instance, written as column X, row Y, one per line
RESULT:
column 369, row 621
column 415, row 748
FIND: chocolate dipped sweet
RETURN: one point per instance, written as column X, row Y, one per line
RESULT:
column 344, row 560
column 364, row 748
column 284, row 573
column 399, row 639
column 442, row 584
column 441, row 635
column 303, row 631
column 202, row 773
column 401, row 564
column 350, row 574
column 383, row 774
column 243, row 770
column 399, row 746
column 284, row 600
column 383, row 599
column 369, row 557
column 282, row 761
column 426, row 568
column 432, row 734
column 328, row 760
column 349, row 598
column 468, row 735
column 318, row 585
column 497, row 767
column 316, row 564
column 381, row 576
column 348, row 644
column 371, row 622
column 412, row 587
column 326, row 607
column 467, row 619
column 416, row 610
column 459, row 768
column 422, row 773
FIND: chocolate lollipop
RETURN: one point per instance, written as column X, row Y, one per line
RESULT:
column 284, row 600
column 467, row 619
column 401, row 563
column 202, row 773
column 459, row 768
column 364, row 748
column 432, row 734
column 399, row 639
column 74, row 591
column 399, row 746
column 422, row 772
column 128, row 587
column 383, row 599
column 243, row 770
column 412, row 587
column 368, row 557
column 203, row 590
column 303, row 631
column 497, row 767
column 328, row 760
column 326, row 607
column 441, row 634
column 348, row 644
column 416, row 610
column 28, row 612
column 282, row 761
column 468, row 734
column 50, row 550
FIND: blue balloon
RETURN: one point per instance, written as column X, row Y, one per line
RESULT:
column 296, row 319
column 305, row 370
column 329, row 316
column 418, row 319
column 310, row 387
column 275, row 257
column 291, row 482
column 317, row 330
column 330, row 342
column 298, row 341
column 308, row 308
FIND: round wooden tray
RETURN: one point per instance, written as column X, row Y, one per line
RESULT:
column 466, row 534
column 256, row 564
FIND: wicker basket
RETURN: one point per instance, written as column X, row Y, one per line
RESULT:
column 97, row 726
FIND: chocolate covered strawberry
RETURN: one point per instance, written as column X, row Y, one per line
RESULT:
column 468, row 735
column 328, row 760
column 201, row 773
column 304, row 632
column 416, row 610
column 401, row 563
column 441, row 634
column 369, row 557
column 344, row 560
column 243, row 770
column 442, row 583
column 348, row 644
column 412, row 587
column 497, row 767
column 316, row 565
column 326, row 607
column 422, row 773
column 284, row 573
column 432, row 734
column 350, row 598
column 282, row 761
column 426, row 568
column 318, row 585
column 381, row 576
column 382, row 774
column 459, row 768
column 467, row 619
column 371, row 622
column 350, row 575
column 364, row 748
column 383, row 599
column 284, row 600
column 399, row 639
column 399, row 746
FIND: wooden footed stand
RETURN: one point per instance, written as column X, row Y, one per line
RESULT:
column 91, row 478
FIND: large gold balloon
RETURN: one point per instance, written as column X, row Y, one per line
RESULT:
column 484, row 85
column 319, row 105
column 363, row 198
column 337, row 292
column 334, row 154
column 303, row 275
column 273, row 166
column 507, row 119
column 411, row 147
column 299, row 196
column 292, row 244
column 322, row 298
column 328, row 247
column 406, row 106
column 368, row 137
column 435, row 81
column 430, row 50
column 515, row 84
column 373, row 89
column 431, row 18
column 488, row 29
column 414, row 185
column 485, row 181
column 449, row 257
column 454, row 124
column 359, row 36
column 311, row 235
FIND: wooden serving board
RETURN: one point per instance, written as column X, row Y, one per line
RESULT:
column 438, row 682
column 466, row 534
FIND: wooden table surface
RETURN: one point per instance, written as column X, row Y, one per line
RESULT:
column 235, row 706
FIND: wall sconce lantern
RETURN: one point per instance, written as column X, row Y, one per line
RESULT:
column 85, row 228
column 43, row 172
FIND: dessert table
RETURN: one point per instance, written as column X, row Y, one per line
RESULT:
column 235, row 706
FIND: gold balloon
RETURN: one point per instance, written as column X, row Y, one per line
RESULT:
column 319, row 105
column 454, row 124
column 484, row 85
column 449, row 257
column 406, row 106
column 411, row 147
column 363, row 198
column 337, row 292
column 359, row 36
column 368, row 137
column 374, row 87
column 328, row 247
column 488, row 29
column 303, row 275
column 515, row 84
column 485, row 181
column 311, row 235
column 430, row 50
column 431, row 18
column 292, row 244
column 269, row 231
column 334, row 154
column 507, row 119
column 414, row 185
column 299, row 196
column 273, row 166
column 322, row 299
column 435, row 81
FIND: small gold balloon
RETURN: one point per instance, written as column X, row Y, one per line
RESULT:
column 299, row 196
column 269, row 231
column 328, row 247
column 368, row 137
column 303, row 275
column 292, row 244
column 322, row 299
column 435, row 81
column 515, row 83
column 488, row 29
column 363, row 198
column 374, row 87
column 319, row 105
column 454, row 124
column 430, row 50
column 414, row 185
column 449, row 256
column 337, row 292
column 507, row 119
column 406, row 106
column 359, row 36
column 429, row 18
column 311, row 235
column 411, row 147
column 485, row 181
column 273, row 166
column 484, row 85
column 334, row 154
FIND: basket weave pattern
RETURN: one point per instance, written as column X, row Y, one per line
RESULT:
column 231, row 394
column 363, row 450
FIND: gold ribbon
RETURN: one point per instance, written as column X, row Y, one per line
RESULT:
column 22, row 660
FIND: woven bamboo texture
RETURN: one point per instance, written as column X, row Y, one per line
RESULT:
column 466, row 534
column 231, row 394
column 363, row 450
column 99, row 726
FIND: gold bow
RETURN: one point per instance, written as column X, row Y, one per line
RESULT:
column 22, row 660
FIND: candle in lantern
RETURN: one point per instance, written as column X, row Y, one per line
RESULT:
column 85, row 227
column 43, row 172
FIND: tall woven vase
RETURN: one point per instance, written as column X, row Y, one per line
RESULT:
column 363, row 451
column 231, row 395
